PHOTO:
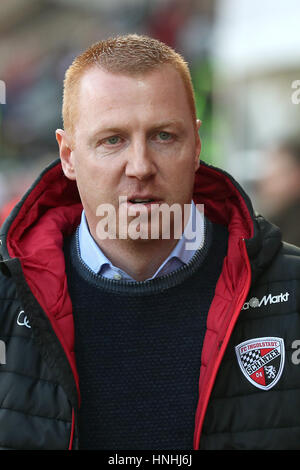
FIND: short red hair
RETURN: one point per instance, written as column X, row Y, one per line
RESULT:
column 129, row 55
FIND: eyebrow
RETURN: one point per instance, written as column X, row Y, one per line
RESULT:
column 171, row 122
column 117, row 130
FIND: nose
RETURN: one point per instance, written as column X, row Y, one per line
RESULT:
column 140, row 162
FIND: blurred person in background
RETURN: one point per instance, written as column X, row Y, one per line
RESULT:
column 143, row 343
column 279, row 189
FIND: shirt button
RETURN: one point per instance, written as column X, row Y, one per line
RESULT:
column 117, row 277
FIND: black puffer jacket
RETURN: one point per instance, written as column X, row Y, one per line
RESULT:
column 249, row 377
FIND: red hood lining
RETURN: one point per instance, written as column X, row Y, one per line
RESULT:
column 222, row 201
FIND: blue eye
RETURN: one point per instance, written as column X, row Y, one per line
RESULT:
column 164, row 135
column 113, row 140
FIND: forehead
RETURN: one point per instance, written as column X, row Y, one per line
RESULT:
column 160, row 90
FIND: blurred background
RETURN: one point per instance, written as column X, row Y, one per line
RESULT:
column 244, row 58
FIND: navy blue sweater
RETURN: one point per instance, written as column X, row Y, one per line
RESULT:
column 138, row 349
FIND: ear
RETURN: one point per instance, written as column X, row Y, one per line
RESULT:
column 66, row 154
column 198, row 145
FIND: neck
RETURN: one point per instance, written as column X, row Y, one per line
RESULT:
column 139, row 258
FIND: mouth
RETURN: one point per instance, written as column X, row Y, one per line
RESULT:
column 143, row 204
column 142, row 201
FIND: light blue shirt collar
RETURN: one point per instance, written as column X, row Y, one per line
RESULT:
column 191, row 240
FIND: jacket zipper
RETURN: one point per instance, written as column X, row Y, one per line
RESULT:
column 222, row 347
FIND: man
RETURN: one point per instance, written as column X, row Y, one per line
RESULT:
column 117, row 334
column 278, row 188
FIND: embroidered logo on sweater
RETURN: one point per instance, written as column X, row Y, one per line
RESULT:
column 261, row 360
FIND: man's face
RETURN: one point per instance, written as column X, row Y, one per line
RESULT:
column 135, row 137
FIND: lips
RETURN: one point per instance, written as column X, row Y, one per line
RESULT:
column 142, row 199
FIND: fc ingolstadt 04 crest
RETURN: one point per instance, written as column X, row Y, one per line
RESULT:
column 261, row 360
